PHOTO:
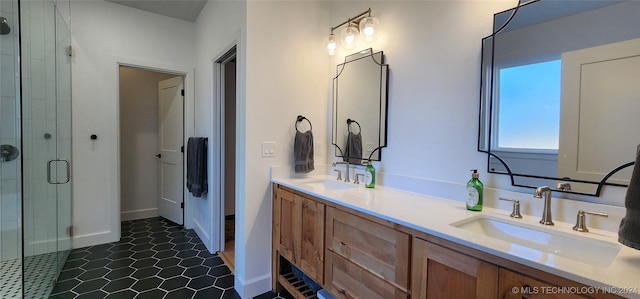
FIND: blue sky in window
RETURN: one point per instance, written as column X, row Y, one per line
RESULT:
column 529, row 103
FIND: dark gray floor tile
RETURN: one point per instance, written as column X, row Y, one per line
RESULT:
column 225, row 282
column 99, row 294
column 170, row 272
column 155, row 258
column 201, row 282
column 65, row 295
column 126, row 294
column 152, row 294
column 211, row 292
column 90, row 285
column 181, row 293
column 120, row 273
column 147, row 284
column 174, row 283
column 92, row 274
column 119, row 284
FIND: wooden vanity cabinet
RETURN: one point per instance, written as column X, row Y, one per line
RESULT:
column 356, row 255
column 298, row 234
column 365, row 258
column 439, row 272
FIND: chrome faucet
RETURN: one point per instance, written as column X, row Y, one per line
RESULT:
column 564, row 186
column 346, row 164
column 581, row 225
column 546, row 212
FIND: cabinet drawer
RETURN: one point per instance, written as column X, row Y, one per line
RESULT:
column 345, row 279
column 379, row 249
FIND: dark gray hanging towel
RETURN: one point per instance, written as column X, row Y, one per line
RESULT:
column 629, row 233
column 197, row 166
column 303, row 151
column 353, row 150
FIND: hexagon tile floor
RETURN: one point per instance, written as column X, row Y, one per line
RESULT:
column 155, row 258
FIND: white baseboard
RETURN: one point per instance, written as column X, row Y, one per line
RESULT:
column 203, row 235
column 253, row 287
column 103, row 237
column 138, row 214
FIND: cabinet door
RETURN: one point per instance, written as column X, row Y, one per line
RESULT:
column 517, row 286
column 379, row 249
column 285, row 225
column 311, row 235
column 439, row 272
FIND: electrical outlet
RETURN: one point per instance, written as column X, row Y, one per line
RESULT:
column 317, row 149
column 269, row 149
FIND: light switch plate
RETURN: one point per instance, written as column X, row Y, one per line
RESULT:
column 317, row 149
column 269, row 149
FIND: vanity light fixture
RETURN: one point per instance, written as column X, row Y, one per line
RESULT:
column 331, row 44
column 361, row 27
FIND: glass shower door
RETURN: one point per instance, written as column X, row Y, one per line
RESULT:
column 63, row 97
column 46, row 121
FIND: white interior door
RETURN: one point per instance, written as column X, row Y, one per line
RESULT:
column 600, row 103
column 170, row 137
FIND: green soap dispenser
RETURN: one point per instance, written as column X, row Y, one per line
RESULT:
column 369, row 176
column 474, row 192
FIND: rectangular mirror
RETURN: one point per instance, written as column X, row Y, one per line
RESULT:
column 360, row 107
column 559, row 90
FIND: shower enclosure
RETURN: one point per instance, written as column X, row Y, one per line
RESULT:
column 35, row 146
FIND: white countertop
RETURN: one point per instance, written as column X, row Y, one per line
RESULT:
column 434, row 215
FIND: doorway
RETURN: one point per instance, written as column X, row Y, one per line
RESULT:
column 151, row 153
column 226, row 68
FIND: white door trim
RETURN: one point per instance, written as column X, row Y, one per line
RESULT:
column 218, row 220
column 188, row 73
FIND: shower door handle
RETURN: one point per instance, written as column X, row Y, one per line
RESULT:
column 68, row 178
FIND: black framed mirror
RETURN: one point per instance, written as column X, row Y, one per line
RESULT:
column 560, row 94
column 360, row 107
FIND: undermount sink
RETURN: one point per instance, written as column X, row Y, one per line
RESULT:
column 330, row 185
column 534, row 241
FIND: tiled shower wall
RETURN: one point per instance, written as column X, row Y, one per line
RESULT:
column 10, row 172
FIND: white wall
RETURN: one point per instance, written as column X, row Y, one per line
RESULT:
column 286, row 76
column 104, row 34
column 221, row 25
column 139, row 142
column 279, row 76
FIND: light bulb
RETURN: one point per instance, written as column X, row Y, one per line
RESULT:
column 331, row 44
column 368, row 27
column 350, row 37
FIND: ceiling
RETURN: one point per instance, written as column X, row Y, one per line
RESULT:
column 187, row 10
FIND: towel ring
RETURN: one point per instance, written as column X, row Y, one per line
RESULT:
column 349, row 122
column 301, row 118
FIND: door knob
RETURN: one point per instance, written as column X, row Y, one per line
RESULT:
column 159, row 155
